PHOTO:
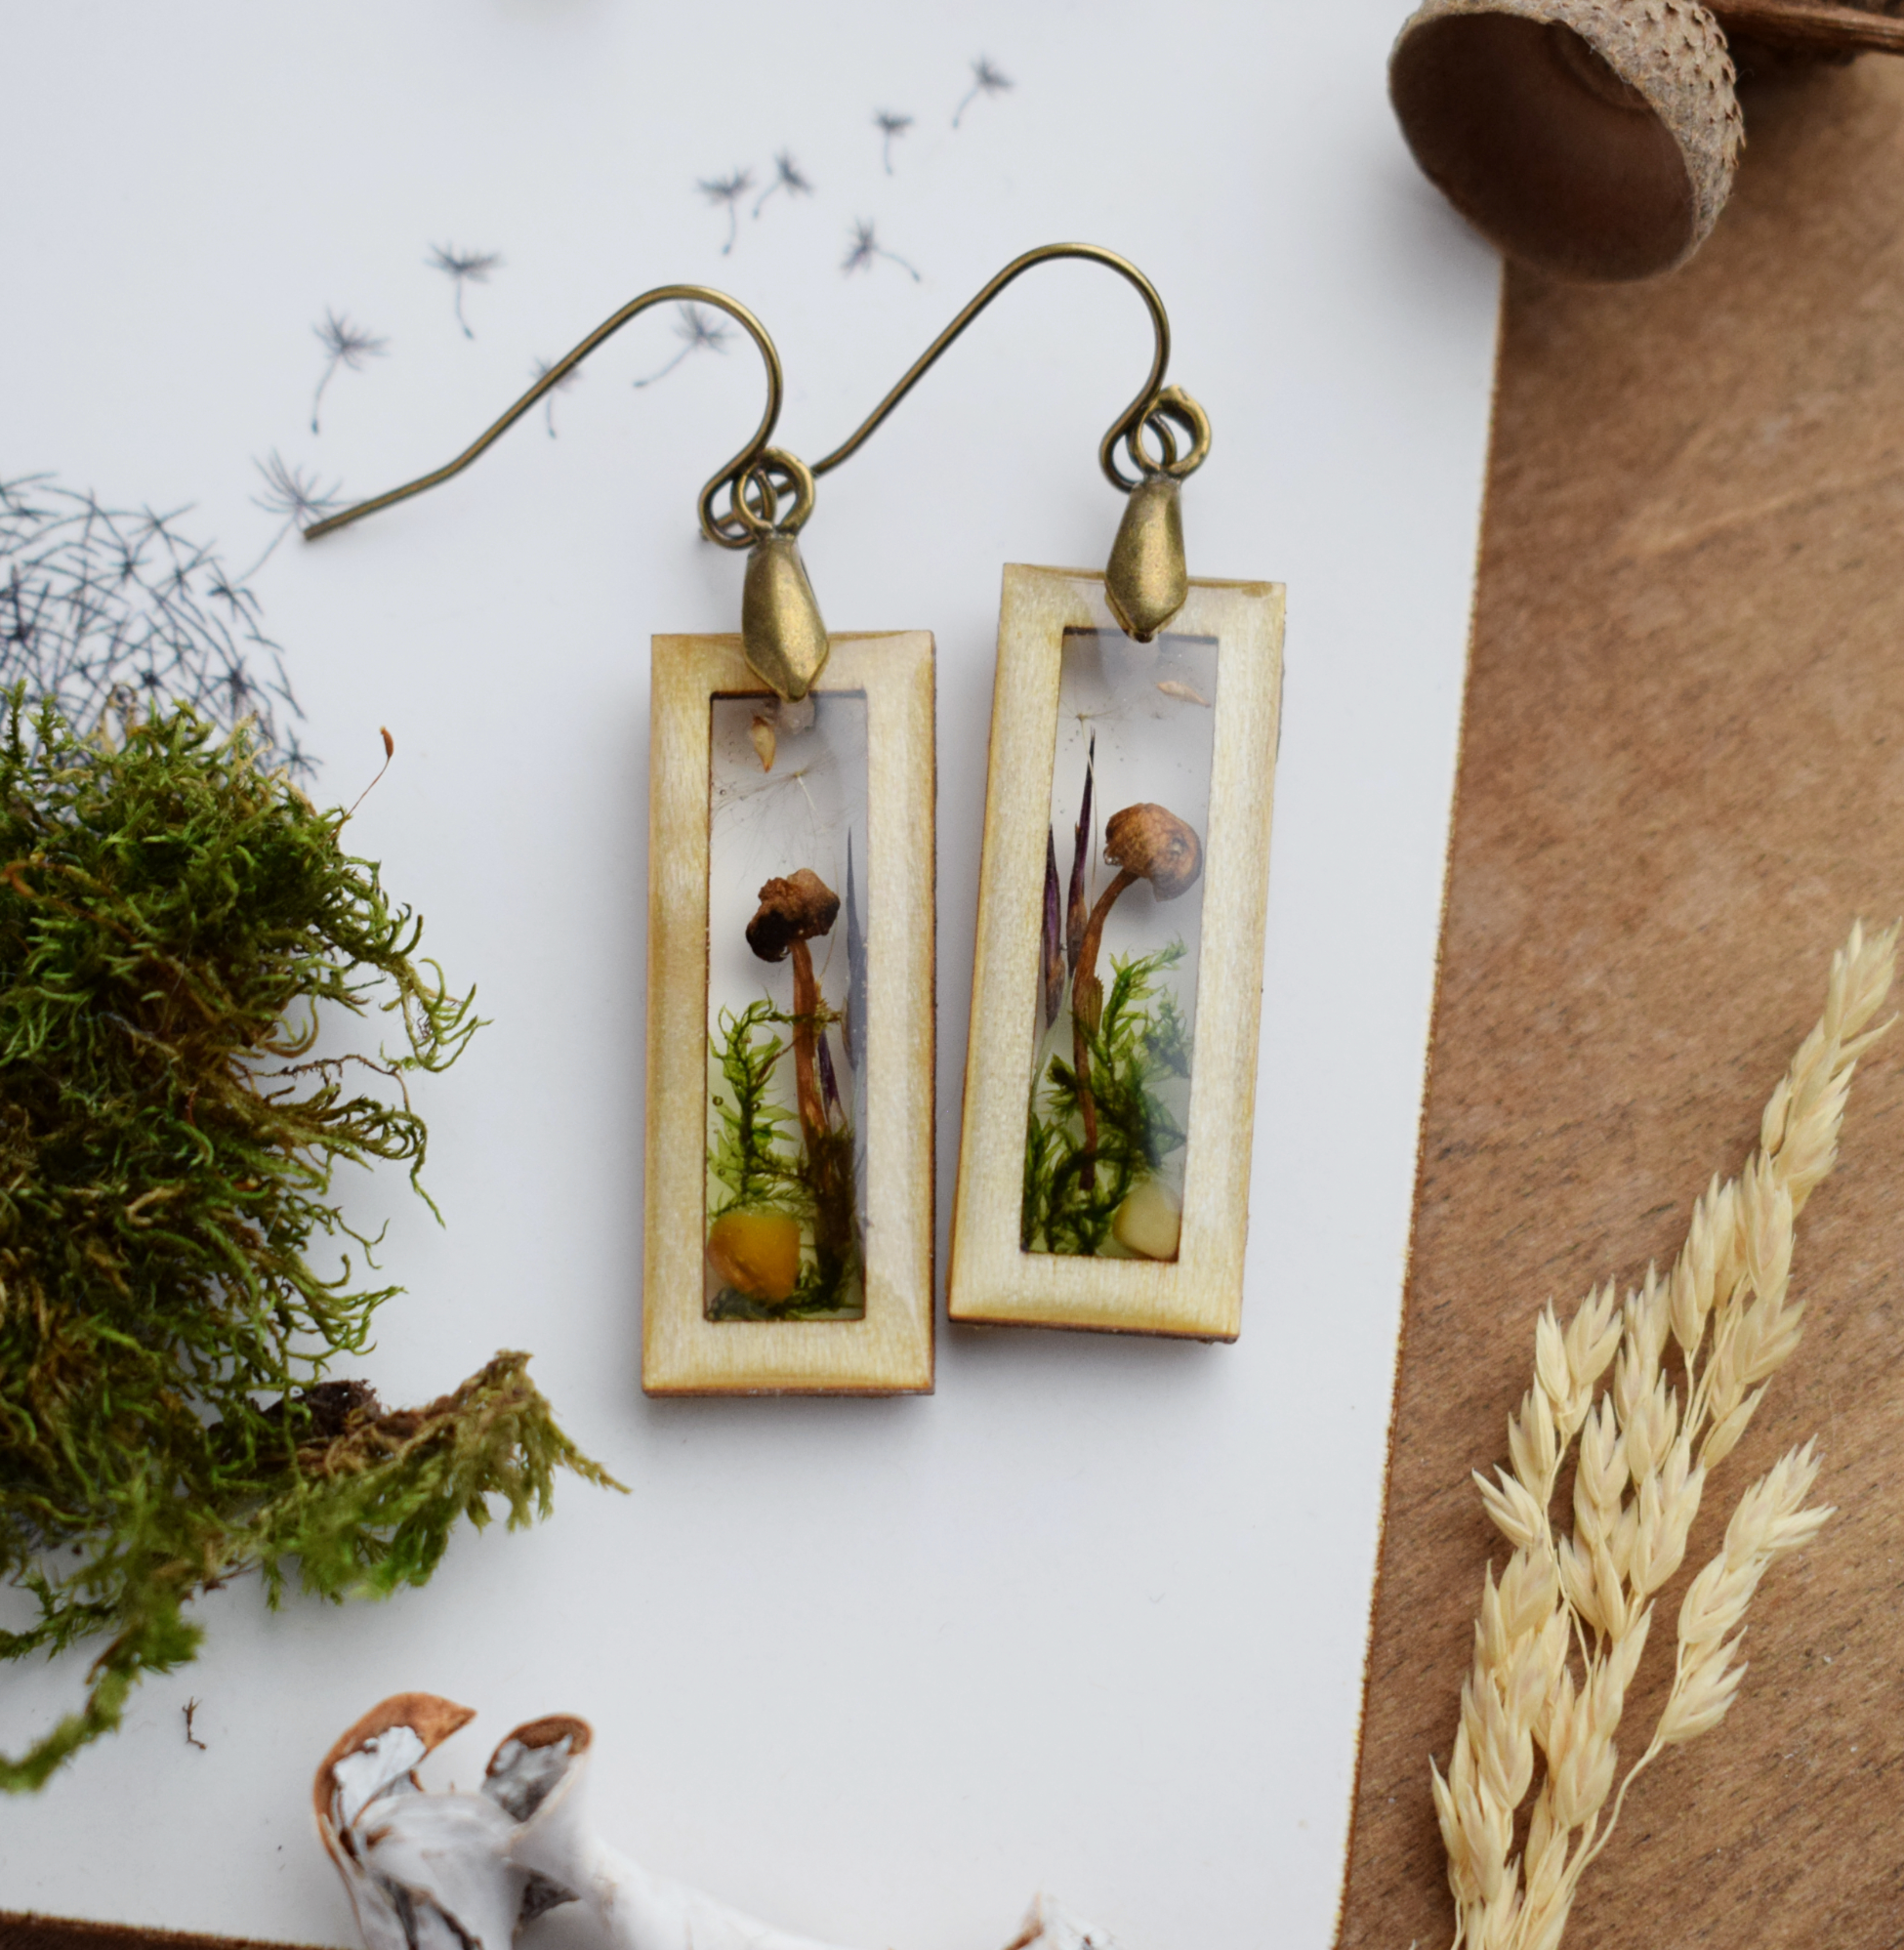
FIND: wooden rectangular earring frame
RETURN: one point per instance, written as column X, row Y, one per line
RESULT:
column 890, row 1352
column 992, row 1279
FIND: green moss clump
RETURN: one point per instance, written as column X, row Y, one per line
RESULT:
column 1140, row 1041
column 755, row 1163
column 750, row 1158
column 172, row 920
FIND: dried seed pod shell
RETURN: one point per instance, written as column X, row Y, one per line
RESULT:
column 1595, row 139
column 430, row 1719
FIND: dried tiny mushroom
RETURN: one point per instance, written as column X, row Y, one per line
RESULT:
column 769, row 1195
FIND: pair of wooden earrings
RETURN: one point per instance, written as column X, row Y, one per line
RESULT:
column 1111, row 1059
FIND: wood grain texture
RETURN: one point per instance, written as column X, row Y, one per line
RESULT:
column 891, row 1350
column 991, row 1280
column 1682, row 775
column 22, row 1929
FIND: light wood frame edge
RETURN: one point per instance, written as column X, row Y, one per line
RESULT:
column 990, row 1280
column 891, row 1350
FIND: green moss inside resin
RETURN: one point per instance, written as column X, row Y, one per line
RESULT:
column 782, row 1237
column 1138, row 1056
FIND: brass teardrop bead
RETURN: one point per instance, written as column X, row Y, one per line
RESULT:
column 1148, row 578
column 780, row 627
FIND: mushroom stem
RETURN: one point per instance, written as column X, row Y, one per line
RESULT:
column 806, row 1009
column 792, row 910
column 1087, row 973
column 826, row 1155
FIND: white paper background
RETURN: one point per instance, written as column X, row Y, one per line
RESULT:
column 1092, row 1618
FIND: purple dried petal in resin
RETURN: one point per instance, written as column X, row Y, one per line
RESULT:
column 1053, row 945
column 829, row 1083
column 1077, row 913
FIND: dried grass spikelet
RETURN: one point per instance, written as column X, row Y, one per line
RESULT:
column 1562, row 1630
column 1595, row 138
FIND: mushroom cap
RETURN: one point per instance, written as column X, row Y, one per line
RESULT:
column 791, row 910
column 1595, row 139
column 1154, row 843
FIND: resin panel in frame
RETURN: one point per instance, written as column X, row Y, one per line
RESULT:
column 789, row 1237
column 787, row 1009
column 1103, row 1166
column 1115, row 1028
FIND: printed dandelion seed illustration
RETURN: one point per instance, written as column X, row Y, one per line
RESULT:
column 105, row 608
column 462, row 267
column 866, row 247
column 541, row 370
column 698, row 329
column 349, row 346
column 296, row 495
column 889, row 125
column 728, row 189
column 787, row 177
column 986, row 79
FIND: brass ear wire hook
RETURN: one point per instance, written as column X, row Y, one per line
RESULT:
column 745, row 463
column 780, row 620
column 1147, row 577
column 1128, row 425
column 1145, row 582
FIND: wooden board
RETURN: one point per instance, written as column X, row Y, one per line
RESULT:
column 25, row 1931
column 1682, row 775
column 890, row 1352
column 1199, row 1294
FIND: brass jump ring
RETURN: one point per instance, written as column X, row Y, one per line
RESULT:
column 752, row 510
column 1173, row 404
column 1165, row 438
column 756, row 502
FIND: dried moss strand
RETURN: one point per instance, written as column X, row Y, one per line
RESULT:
column 175, row 1275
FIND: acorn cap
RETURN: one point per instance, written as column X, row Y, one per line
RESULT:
column 791, row 910
column 1595, row 139
column 1155, row 844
